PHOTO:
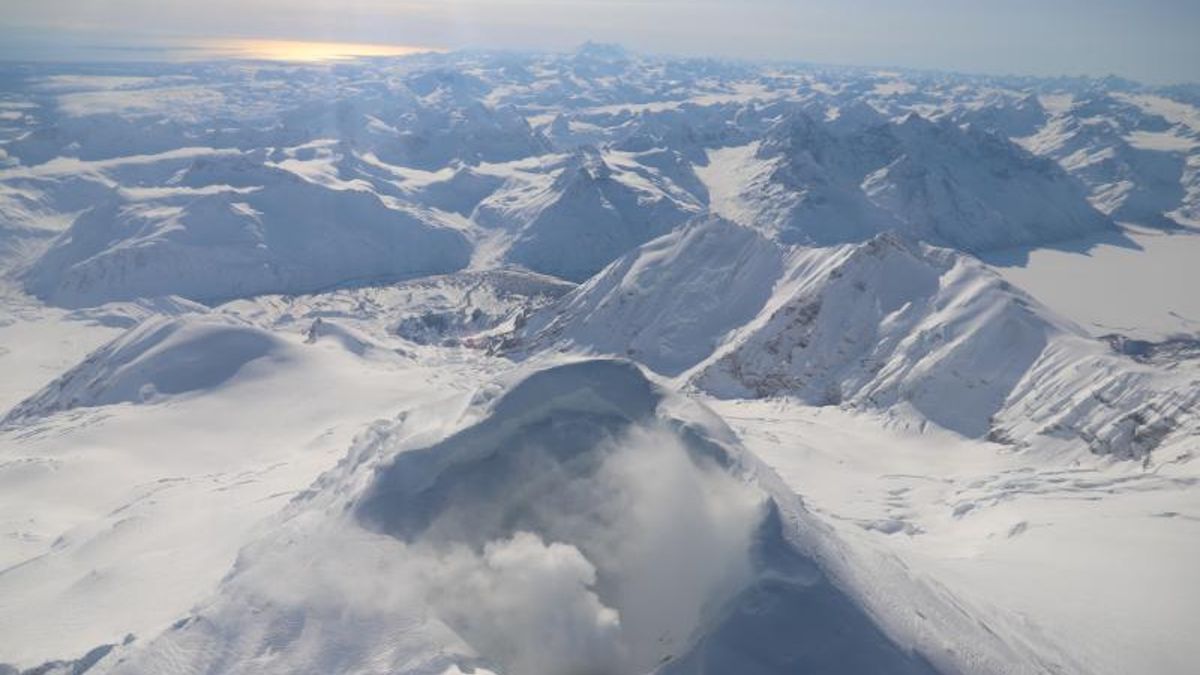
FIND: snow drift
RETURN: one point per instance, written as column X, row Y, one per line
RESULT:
column 160, row 358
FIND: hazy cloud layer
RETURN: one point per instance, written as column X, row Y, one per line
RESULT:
column 1152, row 40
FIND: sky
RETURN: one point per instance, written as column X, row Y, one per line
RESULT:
column 1155, row 41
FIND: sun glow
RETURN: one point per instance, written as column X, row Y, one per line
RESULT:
column 294, row 50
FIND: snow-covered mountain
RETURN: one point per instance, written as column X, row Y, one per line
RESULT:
column 157, row 359
column 552, row 529
column 601, row 362
column 965, row 188
column 588, row 213
column 459, row 142
column 265, row 230
column 671, row 302
column 886, row 324
column 1133, row 162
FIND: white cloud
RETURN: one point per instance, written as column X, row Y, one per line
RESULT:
column 611, row 567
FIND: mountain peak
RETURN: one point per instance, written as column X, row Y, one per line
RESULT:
column 602, row 51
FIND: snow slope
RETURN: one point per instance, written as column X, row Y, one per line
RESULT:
column 387, row 441
column 886, row 325
column 157, row 359
column 820, row 184
column 475, row 143
column 976, row 191
column 281, row 233
column 586, row 216
column 670, row 303
column 473, row 308
column 1133, row 160
column 543, row 531
column 120, row 514
column 1066, row 551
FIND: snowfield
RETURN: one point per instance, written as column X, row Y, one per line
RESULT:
column 595, row 362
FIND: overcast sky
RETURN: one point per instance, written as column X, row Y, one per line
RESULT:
column 1150, row 40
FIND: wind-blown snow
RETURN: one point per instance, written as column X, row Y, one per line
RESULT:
column 665, row 550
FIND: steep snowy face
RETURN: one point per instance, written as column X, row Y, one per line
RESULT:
column 461, row 192
column 671, row 170
column 823, row 184
column 433, row 136
column 849, row 117
column 892, row 325
column 34, row 210
column 689, row 129
column 276, row 232
column 1189, row 210
column 912, row 329
column 976, row 191
column 1077, row 393
column 589, row 214
column 884, row 324
column 1133, row 160
column 670, row 303
column 1007, row 117
column 581, row 519
column 807, row 189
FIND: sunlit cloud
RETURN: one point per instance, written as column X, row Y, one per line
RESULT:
column 298, row 50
